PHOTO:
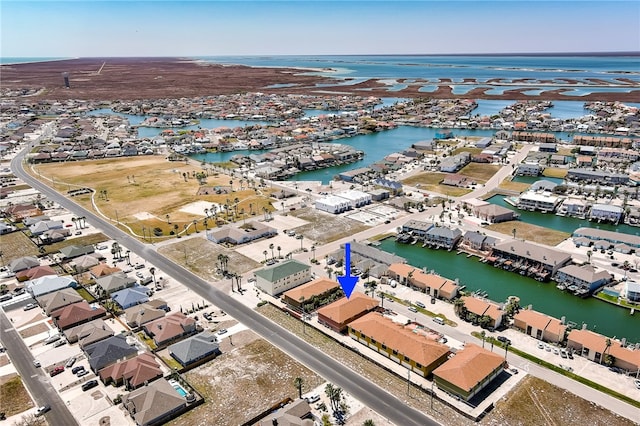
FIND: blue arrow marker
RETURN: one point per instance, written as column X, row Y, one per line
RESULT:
column 348, row 283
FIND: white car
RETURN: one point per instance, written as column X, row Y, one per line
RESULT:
column 637, row 383
column 313, row 398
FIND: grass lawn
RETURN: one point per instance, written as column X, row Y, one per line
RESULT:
column 142, row 191
column 85, row 240
column 530, row 232
column 470, row 150
column 508, row 185
column 430, row 181
column 86, row 295
column 555, row 172
column 14, row 398
column 16, row 245
column 481, row 172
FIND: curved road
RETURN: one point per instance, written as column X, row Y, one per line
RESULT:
column 333, row 371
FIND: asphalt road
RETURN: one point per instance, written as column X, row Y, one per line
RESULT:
column 359, row 387
column 35, row 379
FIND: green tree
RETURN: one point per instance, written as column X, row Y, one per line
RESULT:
column 297, row 382
column 271, row 247
column 368, row 422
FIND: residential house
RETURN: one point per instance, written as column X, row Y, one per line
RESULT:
column 473, row 240
column 471, row 369
column 49, row 284
column 58, row 299
column 417, row 228
column 23, row 263
column 169, row 328
column 332, row 204
column 131, row 296
column 584, row 277
column 35, row 272
column 543, row 201
column 195, row 350
column 481, row 308
column 355, row 198
column 455, row 162
column 297, row 413
column 71, row 252
column 526, row 169
column 606, row 212
column 138, row 315
column 573, row 207
column 282, row 276
column 545, row 259
column 414, row 350
column 540, row 326
column 596, row 176
column 133, row 372
column 611, row 238
column 432, row 284
column 494, row 213
column 155, row 404
column 631, row 291
column 19, row 212
column 312, row 292
column 253, row 230
column 455, row 179
column 75, row 314
column 89, row 332
column 42, row 226
column 108, row 351
column 339, row 314
column 595, row 347
column 103, row 270
column 115, row 282
column 443, row 237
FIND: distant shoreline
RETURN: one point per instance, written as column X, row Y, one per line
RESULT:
column 36, row 61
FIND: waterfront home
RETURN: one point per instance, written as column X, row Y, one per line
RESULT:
column 88, row 333
column 195, row 350
column 584, row 161
column 543, row 201
column 58, row 299
column 442, row 237
column 609, row 238
column 540, row 326
column 332, row 204
column 617, row 155
column 606, row 213
column 468, row 372
column 432, row 284
column 483, row 308
column 339, row 314
column 603, row 141
column 416, row 228
column 418, row 352
column 494, row 213
column 583, row 277
column 573, row 207
column 354, row 175
column 360, row 253
column 241, row 234
column 283, row 276
column 133, row 373
column 631, row 291
column 534, row 137
column 596, row 347
column 154, row 404
column 476, row 241
column 393, row 186
column 542, row 261
column 75, row 314
column 596, row 177
column 314, row 294
column 527, row 169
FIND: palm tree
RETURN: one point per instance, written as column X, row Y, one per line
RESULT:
column 186, row 229
column 513, row 231
column 75, row 222
column 167, row 216
column 175, row 230
column 279, row 255
column 206, row 212
column 368, row 422
column 195, row 224
column 483, row 334
column 297, row 382
column 589, row 254
column 608, row 345
column 301, row 238
column 152, row 271
column 265, row 255
column 206, row 224
column 313, row 250
column 271, row 248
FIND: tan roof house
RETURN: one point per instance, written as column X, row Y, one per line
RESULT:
column 316, row 290
column 76, row 314
column 133, row 372
column 415, row 351
column 341, row 312
column 154, row 404
column 480, row 308
column 595, row 347
column 167, row 329
column 469, row 371
column 540, row 326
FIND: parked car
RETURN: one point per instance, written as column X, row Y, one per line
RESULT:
column 139, row 266
column 90, row 384
column 637, row 383
column 59, row 369
column 420, row 305
column 36, row 363
column 51, row 339
column 59, row 343
column 504, row 340
column 313, row 398
column 223, row 331
column 77, row 369
column 41, row 410
column 30, row 306
column 82, row 372
column 70, row 363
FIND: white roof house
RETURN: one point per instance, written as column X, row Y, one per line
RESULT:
column 49, row 284
column 333, row 204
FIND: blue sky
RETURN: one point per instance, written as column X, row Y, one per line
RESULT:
column 199, row 28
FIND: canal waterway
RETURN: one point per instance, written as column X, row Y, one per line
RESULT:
column 500, row 284
column 562, row 223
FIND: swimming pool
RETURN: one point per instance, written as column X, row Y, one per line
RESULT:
column 178, row 388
